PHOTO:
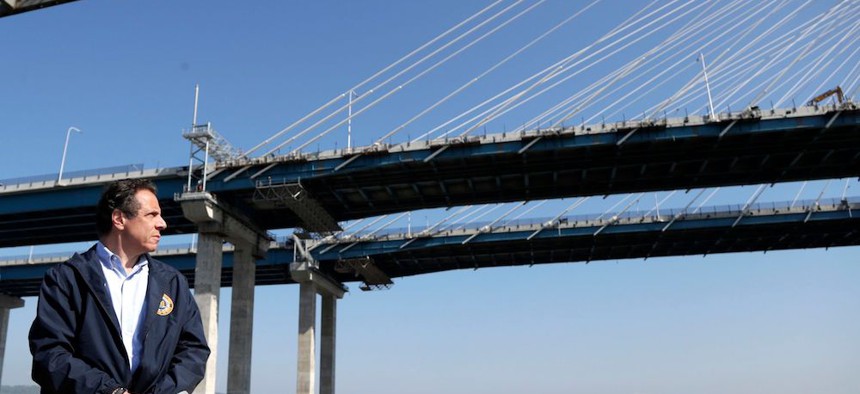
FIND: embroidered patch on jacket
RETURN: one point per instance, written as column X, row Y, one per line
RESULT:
column 165, row 306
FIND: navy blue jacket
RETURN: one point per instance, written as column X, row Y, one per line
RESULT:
column 77, row 344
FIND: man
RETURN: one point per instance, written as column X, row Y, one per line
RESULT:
column 115, row 320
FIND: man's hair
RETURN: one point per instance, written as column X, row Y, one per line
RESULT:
column 120, row 195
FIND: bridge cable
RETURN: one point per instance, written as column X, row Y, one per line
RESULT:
column 377, row 74
column 815, row 69
column 543, row 74
column 654, row 111
column 803, row 54
column 431, row 68
column 667, row 47
column 508, row 105
column 485, row 73
column 717, row 65
column 705, row 201
column 556, row 220
column 396, row 89
column 371, row 235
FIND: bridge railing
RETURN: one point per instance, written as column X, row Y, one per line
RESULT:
column 51, row 179
column 577, row 129
column 632, row 217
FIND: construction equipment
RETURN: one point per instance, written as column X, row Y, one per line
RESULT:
column 823, row 96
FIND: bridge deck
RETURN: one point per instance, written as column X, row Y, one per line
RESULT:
column 397, row 255
column 742, row 149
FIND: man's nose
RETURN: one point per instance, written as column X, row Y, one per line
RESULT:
column 161, row 225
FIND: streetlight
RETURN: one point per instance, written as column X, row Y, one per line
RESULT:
column 66, row 146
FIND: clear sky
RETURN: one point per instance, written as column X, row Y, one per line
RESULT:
column 124, row 72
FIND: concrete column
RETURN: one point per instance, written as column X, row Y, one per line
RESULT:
column 241, row 322
column 207, row 290
column 6, row 303
column 328, row 338
column 307, row 324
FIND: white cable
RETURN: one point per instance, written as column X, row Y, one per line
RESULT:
column 854, row 70
column 485, row 73
column 816, row 68
column 623, row 26
column 356, row 87
column 580, row 70
column 459, row 222
column 661, row 65
column 715, row 63
column 384, row 83
column 526, row 212
column 409, row 81
column 796, row 196
column 705, row 201
column 691, row 83
column 657, row 206
column 509, row 102
column 779, row 76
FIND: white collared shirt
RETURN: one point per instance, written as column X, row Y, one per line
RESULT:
column 128, row 296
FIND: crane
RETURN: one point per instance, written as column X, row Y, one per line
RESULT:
column 823, row 96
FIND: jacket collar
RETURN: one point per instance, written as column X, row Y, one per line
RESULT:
column 88, row 265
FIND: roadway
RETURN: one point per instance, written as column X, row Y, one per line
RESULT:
column 744, row 148
column 764, row 227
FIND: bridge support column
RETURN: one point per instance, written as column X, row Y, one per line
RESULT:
column 6, row 303
column 312, row 282
column 241, row 322
column 217, row 222
column 307, row 339
column 327, row 343
column 207, row 291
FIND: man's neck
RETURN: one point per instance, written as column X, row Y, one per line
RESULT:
column 127, row 259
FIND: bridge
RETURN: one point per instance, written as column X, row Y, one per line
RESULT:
column 570, row 150
column 626, row 157
column 375, row 260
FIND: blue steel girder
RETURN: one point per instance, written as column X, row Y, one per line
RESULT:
column 489, row 170
column 701, row 236
column 830, row 227
column 67, row 213
column 24, row 280
column 567, row 165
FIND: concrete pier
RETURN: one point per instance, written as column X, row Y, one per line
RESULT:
column 207, row 290
column 328, row 336
column 217, row 222
column 241, row 322
column 7, row 303
column 312, row 282
column 305, row 382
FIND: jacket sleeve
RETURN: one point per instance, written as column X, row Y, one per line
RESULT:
column 188, row 363
column 55, row 368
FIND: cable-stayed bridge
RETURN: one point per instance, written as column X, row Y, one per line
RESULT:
column 789, row 70
column 376, row 258
column 315, row 192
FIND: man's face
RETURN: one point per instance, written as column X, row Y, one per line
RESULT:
column 142, row 232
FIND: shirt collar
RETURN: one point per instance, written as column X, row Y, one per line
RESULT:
column 112, row 262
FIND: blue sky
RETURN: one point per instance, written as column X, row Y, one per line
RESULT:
column 124, row 73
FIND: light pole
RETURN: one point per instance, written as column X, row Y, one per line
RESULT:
column 66, row 146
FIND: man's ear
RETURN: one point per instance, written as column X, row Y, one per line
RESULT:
column 117, row 219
